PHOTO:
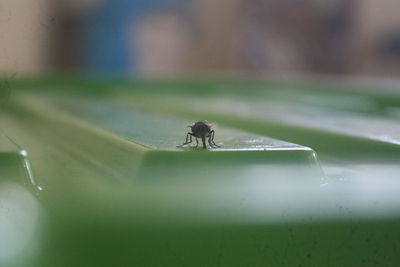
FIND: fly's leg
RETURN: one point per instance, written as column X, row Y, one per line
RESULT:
column 211, row 139
column 188, row 139
column 203, row 139
column 197, row 142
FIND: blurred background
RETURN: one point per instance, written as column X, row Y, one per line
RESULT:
column 180, row 37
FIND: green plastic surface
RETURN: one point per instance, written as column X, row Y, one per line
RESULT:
column 91, row 175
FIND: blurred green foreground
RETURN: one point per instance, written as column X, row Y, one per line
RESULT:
column 306, row 175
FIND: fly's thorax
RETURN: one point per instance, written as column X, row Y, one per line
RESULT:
column 201, row 129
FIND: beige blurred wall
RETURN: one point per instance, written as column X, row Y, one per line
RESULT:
column 27, row 32
column 375, row 19
column 217, row 24
column 23, row 36
column 168, row 42
column 286, row 41
column 160, row 42
column 213, row 36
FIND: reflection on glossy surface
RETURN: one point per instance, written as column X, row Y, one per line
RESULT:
column 19, row 218
column 362, row 190
column 15, row 164
column 28, row 168
column 164, row 132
